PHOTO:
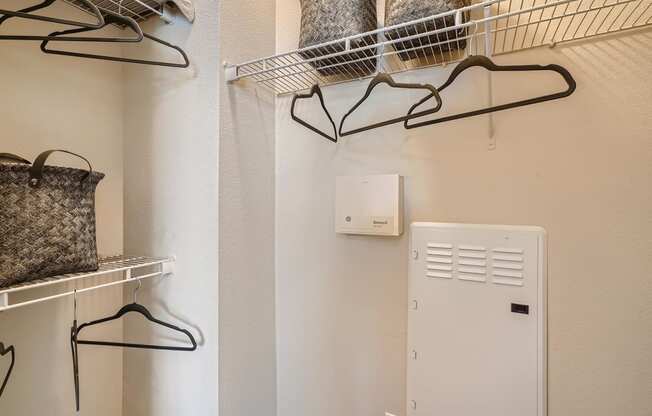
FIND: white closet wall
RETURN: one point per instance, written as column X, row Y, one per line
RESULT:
column 171, row 166
column 580, row 167
column 247, row 350
column 51, row 102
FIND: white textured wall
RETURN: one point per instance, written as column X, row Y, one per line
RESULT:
column 580, row 167
column 247, row 286
column 171, row 162
column 57, row 102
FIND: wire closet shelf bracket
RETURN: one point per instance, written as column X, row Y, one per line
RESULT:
column 129, row 269
column 492, row 27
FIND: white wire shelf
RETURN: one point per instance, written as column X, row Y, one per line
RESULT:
column 140, row 10
column 492, row 27
column 132, row 269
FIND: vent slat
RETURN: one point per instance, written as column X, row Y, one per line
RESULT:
column 505, row 257
column 503, row 273
column 440, row 275
column 440, row 267
column 472, row 270
column 512, row 266
column 473, row 255
column 472, row 248
column 440, row 252
column 472, row 278
column 440, row 260
column 440, row 245
column 508, row 250
column 466, row 262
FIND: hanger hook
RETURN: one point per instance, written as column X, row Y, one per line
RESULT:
column 140, row 285
column 74, row 303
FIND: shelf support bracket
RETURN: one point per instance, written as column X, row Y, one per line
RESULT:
column 165, row 15
column 168, row 268
column 230, row 72
column 186, row 7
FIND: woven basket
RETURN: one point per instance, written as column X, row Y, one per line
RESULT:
column 47, row 219
column 438, row 46
column 328, row 20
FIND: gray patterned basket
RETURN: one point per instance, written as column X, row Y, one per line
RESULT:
column 328, row 20
column 47, row 219
column 403, row 11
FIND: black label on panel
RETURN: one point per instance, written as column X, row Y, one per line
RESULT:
column 522, row 309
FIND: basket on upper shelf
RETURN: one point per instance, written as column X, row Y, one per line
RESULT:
column 433, row 45
column 323, row 21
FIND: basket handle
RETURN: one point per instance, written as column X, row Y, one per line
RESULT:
column 14, row 158
column 36, row 171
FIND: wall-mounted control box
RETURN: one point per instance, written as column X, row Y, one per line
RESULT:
column 369, row 205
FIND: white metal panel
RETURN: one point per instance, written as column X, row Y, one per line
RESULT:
column 469, row 354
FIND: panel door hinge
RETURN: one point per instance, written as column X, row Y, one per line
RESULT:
column 414, row 354
column 413, row 404
column 415, row 254
column 415, row 305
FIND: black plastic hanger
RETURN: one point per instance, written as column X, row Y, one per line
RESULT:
column 383, row 78
column 75, row 363
column 108, row 19
column 132, row 307
column 115, row 18
column 314, row 91
column 137, row 308
column 4, row 351
column 483, row 61
column 26, row 14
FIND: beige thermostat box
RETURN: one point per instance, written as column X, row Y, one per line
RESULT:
column 369, row 205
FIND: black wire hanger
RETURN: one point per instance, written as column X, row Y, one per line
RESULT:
column 115, row 18
column 383, row 78
column 132, row 307
column 314, row 91
column 26, row 14
column 483, row 61
column 4, row 351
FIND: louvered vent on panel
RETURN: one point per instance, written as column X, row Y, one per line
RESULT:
column 507, row 266
column 439, row 260
column 472, row 263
